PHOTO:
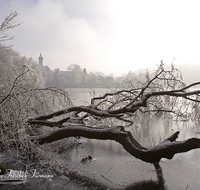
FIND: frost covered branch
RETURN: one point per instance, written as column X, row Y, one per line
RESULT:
column 166, row 149
column 7, row 24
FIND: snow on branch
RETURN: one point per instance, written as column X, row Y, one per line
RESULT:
column 118, row 112
column 166, row 149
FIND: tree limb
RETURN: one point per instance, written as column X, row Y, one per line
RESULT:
column 117, row 112
column 51, row 123
column 166, row 149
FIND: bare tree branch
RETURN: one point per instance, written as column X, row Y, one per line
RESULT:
column 118, row 112
column 166, row 149
column 7, row 24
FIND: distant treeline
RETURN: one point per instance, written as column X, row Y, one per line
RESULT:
column 77, row 77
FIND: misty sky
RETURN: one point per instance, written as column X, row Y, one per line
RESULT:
column 109, row 36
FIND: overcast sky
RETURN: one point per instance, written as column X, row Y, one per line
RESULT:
column 109, row 36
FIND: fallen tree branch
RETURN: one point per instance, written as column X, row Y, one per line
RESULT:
column 51, row 123
column 166, row 149
column 86, row 109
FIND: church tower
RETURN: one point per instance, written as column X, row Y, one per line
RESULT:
column 40, row 59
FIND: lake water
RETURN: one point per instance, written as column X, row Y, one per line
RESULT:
column 82, row 96
column 113, row 168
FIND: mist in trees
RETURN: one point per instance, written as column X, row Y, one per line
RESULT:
column 76, row 77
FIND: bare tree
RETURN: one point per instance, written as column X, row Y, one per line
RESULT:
column 163, row 93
